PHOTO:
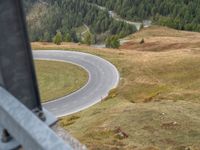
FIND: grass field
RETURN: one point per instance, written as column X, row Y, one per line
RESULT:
column 57, row 79
column 157, row 103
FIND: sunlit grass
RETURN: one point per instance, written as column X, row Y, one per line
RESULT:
column 57, row 79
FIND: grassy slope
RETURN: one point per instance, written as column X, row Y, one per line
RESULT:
column 57, row 79
column 157, row 102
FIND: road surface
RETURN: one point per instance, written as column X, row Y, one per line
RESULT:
column 103, row 76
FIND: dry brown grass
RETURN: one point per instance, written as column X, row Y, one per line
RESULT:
column 162, row 39
column 64, row 46
column 156, row 102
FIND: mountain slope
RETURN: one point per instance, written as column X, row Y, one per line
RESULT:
column 45, row 18
column 179, row 14
column 157, row 101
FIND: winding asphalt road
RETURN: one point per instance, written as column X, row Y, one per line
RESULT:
column 103, row 76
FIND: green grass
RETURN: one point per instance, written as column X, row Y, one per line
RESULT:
column 57, row 79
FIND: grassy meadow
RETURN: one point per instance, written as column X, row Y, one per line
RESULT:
column 157, row 103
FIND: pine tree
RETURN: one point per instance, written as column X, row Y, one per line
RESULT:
column 88, row 39
column 57, row 38
column 67, row 38
column 112, row 42
column 47, row 37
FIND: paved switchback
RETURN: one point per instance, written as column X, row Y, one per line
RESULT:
column 103, row 76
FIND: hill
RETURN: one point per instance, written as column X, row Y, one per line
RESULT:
column 45, row 18
column 156, row 105
column 105, row 18
column 178, row 14
column 158, row 38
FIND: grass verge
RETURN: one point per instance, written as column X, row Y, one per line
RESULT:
column 57, row 79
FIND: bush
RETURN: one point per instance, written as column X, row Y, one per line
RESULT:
column 57, row 38
column 67, row 38
column 112, row 42
column 142, row 41
column 88, row 39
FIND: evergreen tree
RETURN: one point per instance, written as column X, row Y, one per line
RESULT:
column 112, row 42
column 67, row 38
column 88, row 39
column 57, row 39
column 46, row 37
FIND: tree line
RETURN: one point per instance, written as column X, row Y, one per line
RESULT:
column 64, row 16
column 178, row 14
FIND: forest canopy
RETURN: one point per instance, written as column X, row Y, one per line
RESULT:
column 47, row 18
column 178, row 14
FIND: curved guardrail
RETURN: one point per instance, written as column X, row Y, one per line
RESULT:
column 25, row 127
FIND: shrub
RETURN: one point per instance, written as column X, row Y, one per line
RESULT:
column 112, row 42
column 142, row 41
column 57, row 38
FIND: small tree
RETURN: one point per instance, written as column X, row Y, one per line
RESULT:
column 57, row 38
column 74, row 36
column 142, row 41
column 46, row 37
column 88, row 39
column 67, row 38
column 112, row 42
column 141, row 26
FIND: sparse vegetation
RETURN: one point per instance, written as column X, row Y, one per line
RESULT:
column 71, row 120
